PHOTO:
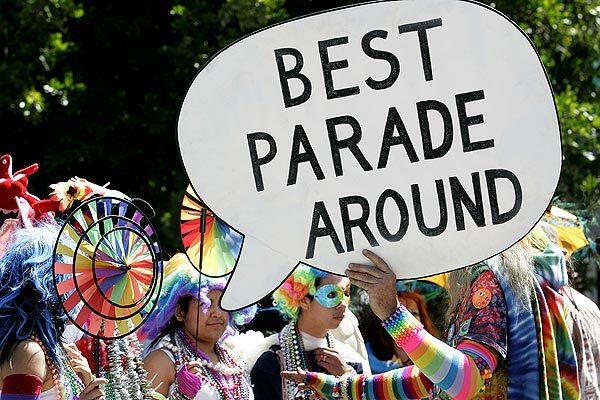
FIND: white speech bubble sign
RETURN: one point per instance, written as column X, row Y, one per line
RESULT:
column 470, row 162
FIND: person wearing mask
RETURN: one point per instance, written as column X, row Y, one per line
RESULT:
column 314, row 302
column 506, row 336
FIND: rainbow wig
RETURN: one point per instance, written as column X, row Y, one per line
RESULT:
column 181, row 280
column 301, row 283
column 29, row 304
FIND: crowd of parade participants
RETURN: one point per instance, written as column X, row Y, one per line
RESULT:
column 513, row 329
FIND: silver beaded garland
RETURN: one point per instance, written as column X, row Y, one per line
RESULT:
column 294, row 356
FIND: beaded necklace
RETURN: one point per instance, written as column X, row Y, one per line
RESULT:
column 127, row 379
column 227, row 377
column 294, row 356
column 75, row 385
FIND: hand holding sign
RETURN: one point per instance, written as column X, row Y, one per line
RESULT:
column 425, row 130
column 379, row 281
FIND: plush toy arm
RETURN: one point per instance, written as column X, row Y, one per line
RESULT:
column 25, row 171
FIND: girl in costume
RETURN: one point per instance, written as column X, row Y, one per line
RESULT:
column 506, row 336
column 30, row 346
column 314, row 302
column 384, row 355
column 186, row 360
column 34, row 364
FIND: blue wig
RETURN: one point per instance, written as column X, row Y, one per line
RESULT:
column 29, row 304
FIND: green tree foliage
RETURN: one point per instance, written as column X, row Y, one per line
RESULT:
column 93, row 88
column 567, row 36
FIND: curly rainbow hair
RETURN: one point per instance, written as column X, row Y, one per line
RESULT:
column 29, row 304
column 301, row 283
column 181, row 282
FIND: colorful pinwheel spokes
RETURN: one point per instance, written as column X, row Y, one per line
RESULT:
column 108, row 269
column 222, row 244
column 124, row 272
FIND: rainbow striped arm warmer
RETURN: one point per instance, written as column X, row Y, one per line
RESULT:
column 402, row 383
column 325, row 385
column 460, row 372
column 21, row 387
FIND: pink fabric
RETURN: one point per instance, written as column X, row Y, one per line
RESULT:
column 188, row 383
column 415, row 340
column 469, row 369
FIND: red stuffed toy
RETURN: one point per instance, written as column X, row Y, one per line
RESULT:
column 14, row 185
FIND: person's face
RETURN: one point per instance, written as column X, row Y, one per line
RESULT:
column 411, row 306
column 211, row 324
column 328, row 317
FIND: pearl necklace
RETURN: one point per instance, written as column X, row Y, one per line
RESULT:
column 75, row 384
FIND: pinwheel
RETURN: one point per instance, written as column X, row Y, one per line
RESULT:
column 221, row 244
column 107, row 267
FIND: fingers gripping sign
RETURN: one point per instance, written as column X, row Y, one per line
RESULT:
column 379, row 281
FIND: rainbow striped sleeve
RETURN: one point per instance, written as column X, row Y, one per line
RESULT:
column 326, row 385
column 21, row 387
column 460, row 372
column 403, row 383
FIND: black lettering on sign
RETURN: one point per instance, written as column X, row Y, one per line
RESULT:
column 294, row 73
column 416, row 196
column 465, row 121
column 491, row 176
column 298, row 157
column 350, row 143
column 428, row 150
column 421, row 28
column 329, row 66
column 320, row 214
column 379, row 213
column 380, row 55
column 394, row 123
column 257, row 161
column 461, row 198
column 360, row 222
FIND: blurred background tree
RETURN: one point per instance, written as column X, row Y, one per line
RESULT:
column 93, row 88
